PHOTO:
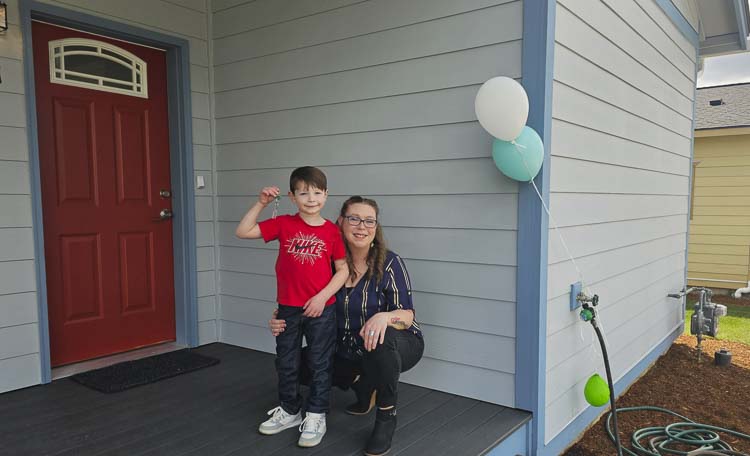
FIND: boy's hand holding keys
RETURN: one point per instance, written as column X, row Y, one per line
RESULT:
column 268, row 194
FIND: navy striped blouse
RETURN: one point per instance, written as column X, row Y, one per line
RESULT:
column 354, row 306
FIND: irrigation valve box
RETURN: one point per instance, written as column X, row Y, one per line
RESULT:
column 710, row 321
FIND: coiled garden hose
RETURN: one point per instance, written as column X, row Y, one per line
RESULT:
column 658, row 441
column 661, row 440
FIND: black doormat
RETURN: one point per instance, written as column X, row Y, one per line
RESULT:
column 129, row 374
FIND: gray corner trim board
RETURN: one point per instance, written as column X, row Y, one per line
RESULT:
column 181, row 156
column 533, row 221
column 690, row 186
column 679, row 21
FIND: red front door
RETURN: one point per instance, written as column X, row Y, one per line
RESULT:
column 104, row 159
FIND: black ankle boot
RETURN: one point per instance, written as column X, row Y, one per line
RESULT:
column 380, row 439
column 365, row 400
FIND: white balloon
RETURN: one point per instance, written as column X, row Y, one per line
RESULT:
column 502, row 107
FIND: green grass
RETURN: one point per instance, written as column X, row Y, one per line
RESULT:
column 735, row 326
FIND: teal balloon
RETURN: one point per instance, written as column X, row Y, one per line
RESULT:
column 507, row 156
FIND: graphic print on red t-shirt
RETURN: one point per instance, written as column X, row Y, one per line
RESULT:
column 305, row 248
column 306, row 254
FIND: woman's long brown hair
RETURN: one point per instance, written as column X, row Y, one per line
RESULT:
column 376, row 255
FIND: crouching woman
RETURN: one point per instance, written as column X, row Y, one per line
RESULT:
column 378, row 338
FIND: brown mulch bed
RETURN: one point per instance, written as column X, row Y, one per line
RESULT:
column 702, row 392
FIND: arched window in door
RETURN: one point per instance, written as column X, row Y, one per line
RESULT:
column 98, row 66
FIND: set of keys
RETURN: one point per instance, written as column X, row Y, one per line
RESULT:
column 276, row 206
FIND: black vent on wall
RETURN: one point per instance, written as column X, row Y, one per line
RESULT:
column 718, row 102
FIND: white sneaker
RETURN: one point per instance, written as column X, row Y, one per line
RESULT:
column 313, row 429
column 279, row 421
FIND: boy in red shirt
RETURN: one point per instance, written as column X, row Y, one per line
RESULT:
column 306, row 288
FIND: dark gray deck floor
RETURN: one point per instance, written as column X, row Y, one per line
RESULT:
column 216, row 411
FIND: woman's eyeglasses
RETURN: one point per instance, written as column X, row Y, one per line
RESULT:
column 356, row 221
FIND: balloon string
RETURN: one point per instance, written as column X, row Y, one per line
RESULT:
column 551, row 219
column 592, row 350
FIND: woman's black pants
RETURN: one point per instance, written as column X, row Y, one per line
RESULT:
column 379, row 369
column 400, row 351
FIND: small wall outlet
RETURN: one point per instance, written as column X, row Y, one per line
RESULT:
column 200, row 182
column 575, row 289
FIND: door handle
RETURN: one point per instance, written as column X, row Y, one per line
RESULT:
column 165, row 214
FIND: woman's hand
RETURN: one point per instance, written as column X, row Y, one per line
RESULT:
column 277, row 326
column 373, row 332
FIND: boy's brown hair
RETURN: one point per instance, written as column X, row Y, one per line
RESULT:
column 310, row 176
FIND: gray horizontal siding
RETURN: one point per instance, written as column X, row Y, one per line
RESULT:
column 429, row 142
column 16, row 211
column 15, row 143
column 13, row 71
column 589, row 240
column 609, row 207
column 19, row 334
column 614, row 150
column 611, row 263
column 389, row 79
column 238, row 16
column 358, row 19
column 19, row 340
column 18, row 308
column 449, row 34
column 629, row 32
column 26, row 371
column 621, row 147
column 581, row 108
column 470, row 381
column 619, row 288
column 449, row 106
column 591, row 208
column 16, row 244
column 591, row 43
column 380, row 96
column 196, row 5
column 13, row 113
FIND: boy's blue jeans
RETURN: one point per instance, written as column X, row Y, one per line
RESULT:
column 320, row 334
